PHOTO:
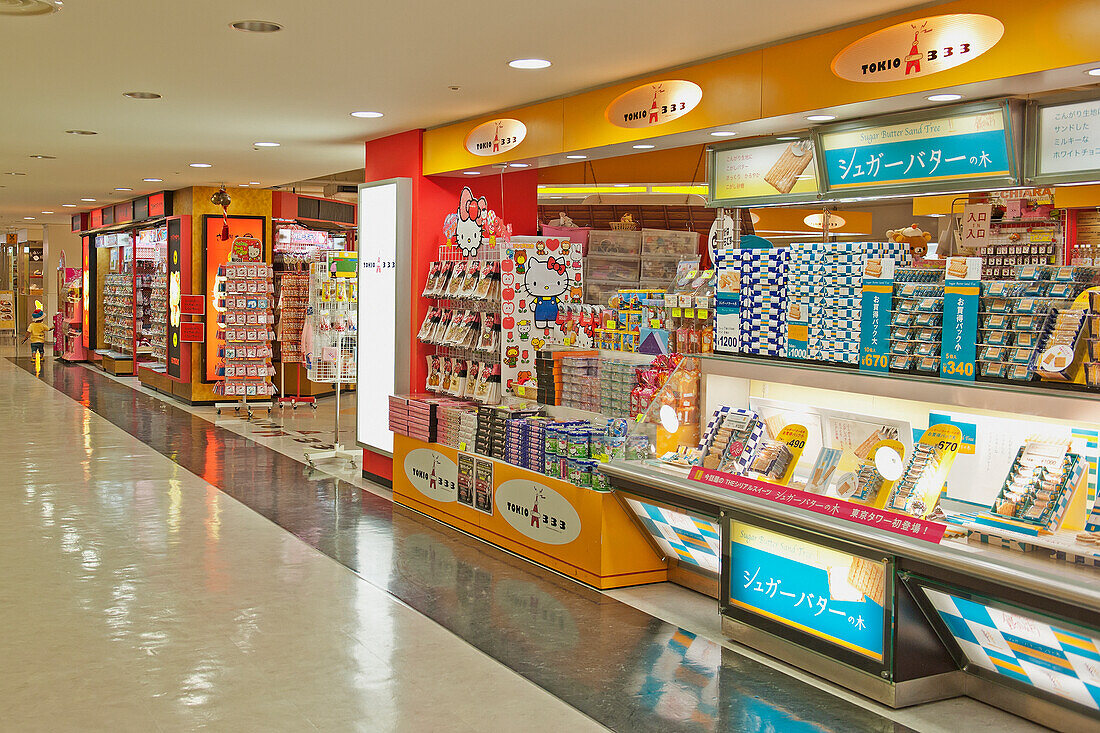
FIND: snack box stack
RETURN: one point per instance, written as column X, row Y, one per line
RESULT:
column 916, row 323
column 415, row 415
column 1092, row 325
column 763, row 301
column 548, row 373
column 452, row 430
column 617, row 380
column 556, row 446
column 483, row 442
column 1011, row 318
column 1061, row 344
column 805, row 286
column 492, row 424
column 580, row 382
column 836, row 322
column 534, row 436
column 515, row 442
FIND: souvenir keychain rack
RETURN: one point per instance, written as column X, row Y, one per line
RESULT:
column 245, row 331
column 293, row 297
column 333, row 315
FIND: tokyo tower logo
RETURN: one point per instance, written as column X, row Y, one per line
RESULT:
column 912, row 61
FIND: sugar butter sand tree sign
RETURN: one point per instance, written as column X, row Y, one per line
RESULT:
column 918, row 48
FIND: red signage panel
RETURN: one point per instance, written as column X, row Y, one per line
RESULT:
column 193, row 305
column 156, row 204
column 193, row 333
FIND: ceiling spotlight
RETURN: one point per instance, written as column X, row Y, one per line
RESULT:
column 519, row 165
column 16, row 173
column 820, row 118
column 243, row 185
column 1093, row 72
column 643, row 146
column 141, row 95
column 152, row 180
column 30, row 7
column 69, row 206
column 529, row 63
column 47, row 212
column 200, row 165
column 81, row 132
column 266, row 145
column 577, row 157
column 367, row 115
column 44, row 157
column 28, row 218
column 723, row 133
column 256, row 26
column 620, row 185
column 124, row 189
column 943, row 97
column 86, row 199
column 787, row 138
column 454, row 87
column 471, row 173
column 253, row 183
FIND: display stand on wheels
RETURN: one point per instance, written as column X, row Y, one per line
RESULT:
column 245, row 328
column 332, row 323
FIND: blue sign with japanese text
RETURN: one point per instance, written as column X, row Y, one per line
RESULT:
column 965, row 146
column 958, row 345
column 874, row 330
column 819, row 591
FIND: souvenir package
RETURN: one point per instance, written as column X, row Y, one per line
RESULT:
column 916, row 323
column 731, row 440
column 457, row 280
column 471, row 281
column 488, row 284
column 1061, row 345
column 918, row 490
column 1039, row 484
column 771, row 459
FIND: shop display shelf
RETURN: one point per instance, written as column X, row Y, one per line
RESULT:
column 1056, row 401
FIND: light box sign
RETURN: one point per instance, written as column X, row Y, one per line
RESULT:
column 495, row 137
column 776, row 172
column 918, row 48
column 1066, row 148
column 825, row 593
column 385, row 244
column 654, row 104
column 964, row 150
column 1028, row 650
column 688, row 538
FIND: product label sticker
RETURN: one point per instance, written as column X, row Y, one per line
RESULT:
column 878, row 300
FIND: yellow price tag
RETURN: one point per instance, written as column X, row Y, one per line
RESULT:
column 677, row 313
column 689, row 313
column 701, row 313
column 794, row 437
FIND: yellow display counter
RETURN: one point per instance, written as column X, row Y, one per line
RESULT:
column 584, row 534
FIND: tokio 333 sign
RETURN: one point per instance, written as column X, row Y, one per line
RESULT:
column 654, row 104
column 495, row 137
column 918, row 48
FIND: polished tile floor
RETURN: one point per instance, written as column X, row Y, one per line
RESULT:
column 164, row 569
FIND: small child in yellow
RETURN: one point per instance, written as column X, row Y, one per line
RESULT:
column 36, row 332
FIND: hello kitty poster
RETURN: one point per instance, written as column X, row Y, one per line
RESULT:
column 538, row 274
column 473, row 224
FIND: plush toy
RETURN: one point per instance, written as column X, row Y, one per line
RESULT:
column 913, row 236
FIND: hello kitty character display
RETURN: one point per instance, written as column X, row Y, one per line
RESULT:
column 469, row 231
column 546, row 281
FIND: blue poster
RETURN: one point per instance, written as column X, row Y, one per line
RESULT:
column 874, row 329
column 958, row 347
column 965, row 146
column 823, row 592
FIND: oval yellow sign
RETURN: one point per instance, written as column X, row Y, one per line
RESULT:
column 654, row 104
column 495, row 137
column 918, row 48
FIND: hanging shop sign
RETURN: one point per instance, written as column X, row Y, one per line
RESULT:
column 830, row 595
column 654, row 104
column 1065, row 142
column 783, row 171
column 967, row 150
column 496, row 136
column 918, row 48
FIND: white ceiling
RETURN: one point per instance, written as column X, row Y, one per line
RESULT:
column 224, row 89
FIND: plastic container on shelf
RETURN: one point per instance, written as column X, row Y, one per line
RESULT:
column 665, row 242
column 614, row 243
column 660, row 268
column 601, row 268
column 598, row 292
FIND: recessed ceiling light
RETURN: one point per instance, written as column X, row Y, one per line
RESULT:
column 28, row 218
column 253, row 183
column 81, row 132
column 820, row 118
column 943, row 97
column 367, row 115
column 141, row 95
column 723, row 133
column 30, row 7
column 256, row 26
column 519, row 165
column 621, row 185
column 643, row 146
column 16, row 173
column 199, row 165
column 266, row 145
column 787, row 138
column 124, row 189
column 529, row 63
column 47, row 212
column 243, row 185
column 1093, row 72
column 39, row 156
column 69, row 206
column 87, row 200
column 152, row 180
column 577, row 157
column 471, row 173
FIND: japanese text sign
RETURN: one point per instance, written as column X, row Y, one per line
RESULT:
column 958, row 347
column 829, row 594
column 883, row 519
column 1069, row 139
column 966, row 146
column 878, row 299
column 975, row 225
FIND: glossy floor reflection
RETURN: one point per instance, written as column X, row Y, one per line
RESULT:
column 139, row 581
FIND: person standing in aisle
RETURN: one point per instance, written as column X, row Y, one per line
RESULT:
column 36, row 332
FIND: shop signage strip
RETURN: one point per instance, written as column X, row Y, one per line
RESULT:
column 965, row 148
column 889, row 521
column 777, row 172
column 1063, row 142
